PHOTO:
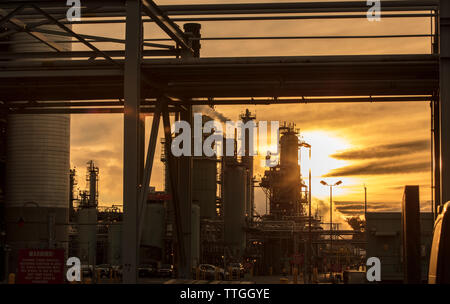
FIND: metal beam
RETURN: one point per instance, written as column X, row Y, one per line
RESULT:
column 228, row 101
column 22, row 26
column 80, row 111
column 73, row 34
column 263, row 77
column 261, row 18
column 95, row 38
column 435, row 145
column 184, row 188
column 295, row 7
column 167, row 25
column 10, row 15
column 82, row 54
column 444, row 71
column 115, row 8
column 180, row 244
column 132, row 92
column 148, row 168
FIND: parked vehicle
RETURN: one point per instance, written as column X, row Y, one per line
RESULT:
column 117, row 270
column 165, row 271
column 354, row 277
column 87, row 271
column 208, row 272
column 103, row 271
column 147, row 271
column 439, row 268
column 237, row 270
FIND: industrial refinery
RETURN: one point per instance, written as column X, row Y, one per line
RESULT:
column 220, row 205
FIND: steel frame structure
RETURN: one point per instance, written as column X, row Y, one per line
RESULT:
column 134, row 82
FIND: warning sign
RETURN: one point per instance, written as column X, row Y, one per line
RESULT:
column 41, row 266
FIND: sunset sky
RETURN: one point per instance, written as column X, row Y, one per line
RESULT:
column 383, row 145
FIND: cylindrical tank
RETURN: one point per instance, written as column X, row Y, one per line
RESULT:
column 153, row 230
column 115, row 244
column 235, row 193
column 289, row 149
column 195, row 234
column 87, row 235
column 37, row 173
column 204, row 187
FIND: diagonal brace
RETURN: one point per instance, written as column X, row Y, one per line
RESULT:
column 148, row 168
column 73, row 34
column 173, row 185
column 24, row 27
column 166, row 24
column 10, row 14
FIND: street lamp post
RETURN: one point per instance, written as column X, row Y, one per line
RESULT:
column 331, row 216
column 309, row 250
column 365, row 201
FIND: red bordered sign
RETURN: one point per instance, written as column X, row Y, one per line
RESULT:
column 40, row 266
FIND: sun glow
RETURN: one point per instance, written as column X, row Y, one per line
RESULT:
column 323, row 145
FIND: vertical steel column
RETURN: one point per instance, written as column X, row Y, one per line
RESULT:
column 184, row 186
column 141, row 147
column 173, row 174
column 309, row 258
column 435, row 113
column 147, row 174
column 436, row 154
column 331, row 230
column 131, row 155
column 411, row 236
column 184, row 178
column 444, row 87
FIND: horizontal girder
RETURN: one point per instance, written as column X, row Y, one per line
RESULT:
column 226, row 77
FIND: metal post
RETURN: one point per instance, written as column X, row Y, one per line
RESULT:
column 411, row 235
column 146, row 177
column 184, row 184
column 184, row 187
column 365, row 202
column 331, row 229
column 310, row 222
column 132, row 90
column 436, row 154
column 444, row 79
column 181, row 250
column 435, row 113
column 141, row 147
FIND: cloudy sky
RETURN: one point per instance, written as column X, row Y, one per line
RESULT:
column 382, row 145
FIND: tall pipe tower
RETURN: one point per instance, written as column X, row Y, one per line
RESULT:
column 247, row 161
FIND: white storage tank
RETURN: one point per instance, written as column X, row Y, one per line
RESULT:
column 37, row 172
